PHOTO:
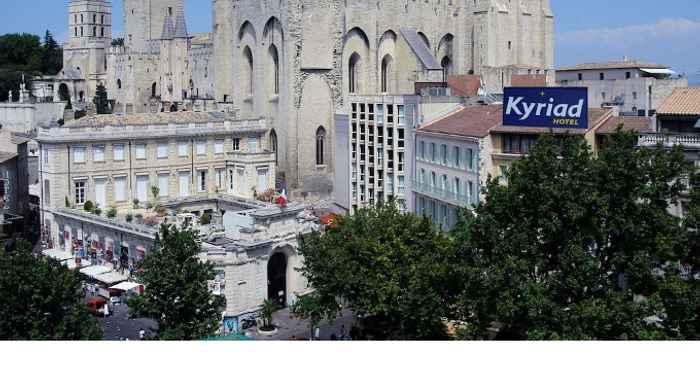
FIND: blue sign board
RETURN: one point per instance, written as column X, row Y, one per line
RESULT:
column 550, row 107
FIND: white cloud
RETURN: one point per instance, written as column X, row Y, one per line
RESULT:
column 665, row 28
column 675, row 42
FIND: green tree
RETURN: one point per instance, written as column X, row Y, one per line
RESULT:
column 177, row 295
column 568, row 249
column 394, row 269
column 41, row 299
column 100, row 100
column 52, row 59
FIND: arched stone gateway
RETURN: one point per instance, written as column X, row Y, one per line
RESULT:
column 277, row 278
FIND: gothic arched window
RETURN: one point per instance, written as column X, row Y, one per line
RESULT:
column 274, row 60
column 273, row 144
column 353, row 73
column 248, row 57
column 119, row 84
column 386, row 72
column 320, row 146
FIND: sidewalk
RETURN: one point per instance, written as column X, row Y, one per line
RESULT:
column 288, row 327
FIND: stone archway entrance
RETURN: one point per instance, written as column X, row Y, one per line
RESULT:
column 277, row 279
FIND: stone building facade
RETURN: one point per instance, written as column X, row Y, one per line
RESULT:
column 114, row 161
column 298, row 61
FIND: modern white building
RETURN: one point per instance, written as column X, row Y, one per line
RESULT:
column 635, row 88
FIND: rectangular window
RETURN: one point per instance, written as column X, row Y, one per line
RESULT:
column 80, row 190
column 580, row 76
column 118, row 152
column 163, row 185
column 457, row 186
column 236, row 144
column 120, row 189
column 202, row 181
column 470, row 192
column 402, row 116
column 183, row 150
column 79, row 155
column 101, row 192
column 504, row 173
column 45, row 152
column 220, row 178
column 470, row 158
column 422, row 149
column 163, row 151
column 231, row 181
column 402, row 185
column 98, row 153
column 142, row 189
column 262, row 180
column 432, row 152
column 184, row 182
column 628, row 75
column 140, row 151
column 47, row 192
column 252, row 144
column 219, row 147
column 457, row 160
column 443, row 154
column 602, row 76
column 201, row 148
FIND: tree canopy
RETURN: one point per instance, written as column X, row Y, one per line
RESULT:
column 100, row 100
column 392, row 268
column 177, row 295
column 578, row 247
column 41, row 299
column 25, row 54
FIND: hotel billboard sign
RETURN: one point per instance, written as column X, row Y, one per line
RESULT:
column 550, row 107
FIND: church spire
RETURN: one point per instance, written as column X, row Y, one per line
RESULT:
column 180, row 23
column 168, row 28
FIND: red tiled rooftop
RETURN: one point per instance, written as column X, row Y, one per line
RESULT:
column 474, row 121
column 638, row 124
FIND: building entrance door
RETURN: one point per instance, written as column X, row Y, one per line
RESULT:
column 277, row 279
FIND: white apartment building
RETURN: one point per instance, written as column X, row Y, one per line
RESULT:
column 374, row 151
column 636, row 88
column 134, row 161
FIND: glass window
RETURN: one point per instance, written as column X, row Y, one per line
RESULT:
column 443, row 154
column 219, row 147
column 46, row 155
column 182, row 150
column 433, row 179
column 252, row 144
column 98, row 153
column 236, row 144
column 201, row 148
column 220, row 178
column 470, row 158
column 80, row 188
column 457, row 160
column 262, row 180
column 470, row 192
column 422, row 149
column 432, row 152
column 202, row 181
column 120, row 189
column 402, row 116
column 162, row 150
column 79, row 155
column 457, row 186
column 402, row 185
column 163, row 185
column 140, row 151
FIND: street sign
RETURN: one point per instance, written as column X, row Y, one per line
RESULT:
column 550, row 107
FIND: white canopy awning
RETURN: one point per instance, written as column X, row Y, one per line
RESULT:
column 57, row 254
column 658, row 71
column 111, row 278
column 72, row 266
column 95, row 271
column 126, row 286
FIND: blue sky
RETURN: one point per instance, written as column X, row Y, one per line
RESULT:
column 586, row 30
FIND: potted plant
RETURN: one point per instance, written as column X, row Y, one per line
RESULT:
column 88, row 207
column 129, row 217
column 112, row 213
column 136, row 203
column 268, row 308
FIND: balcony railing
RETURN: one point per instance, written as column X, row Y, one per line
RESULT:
column 448, row 196
column 670, row 140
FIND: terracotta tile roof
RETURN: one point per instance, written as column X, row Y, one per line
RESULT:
column 638, row 124
column 612, row 65
column 683, row 101
column 464, row 85
column 473, row 121
column 594, row 117
column 149, row 119
column 528, row 80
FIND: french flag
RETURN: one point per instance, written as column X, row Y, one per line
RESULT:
column 282, row 200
